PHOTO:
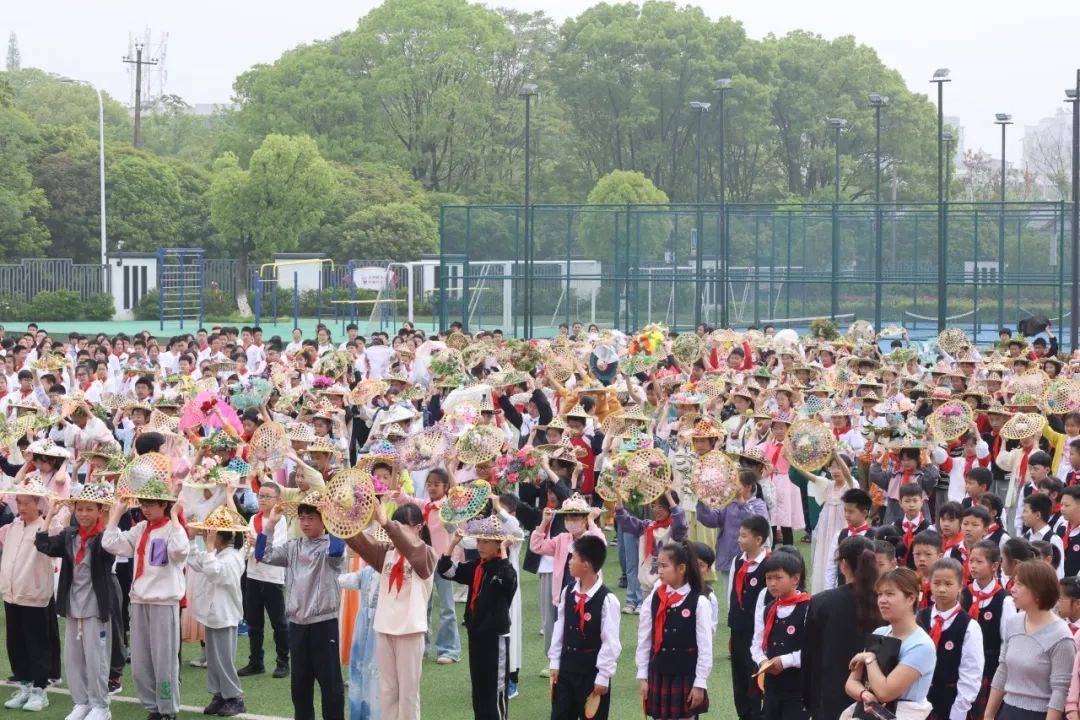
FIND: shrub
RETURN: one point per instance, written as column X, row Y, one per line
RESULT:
column 98, row 306
column 55, row 305
column 147, row 309
column 12, row 309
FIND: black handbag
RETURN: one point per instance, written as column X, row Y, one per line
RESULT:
column 887, row 651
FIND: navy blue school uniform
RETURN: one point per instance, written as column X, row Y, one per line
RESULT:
column 989, row 611
column 683, row 659
column 741, row 604
column 582, row 652
column 948, row 698
column 908, row 531
column 783, row 699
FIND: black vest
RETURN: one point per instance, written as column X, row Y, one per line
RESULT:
column 990, row 624
column 1072, row 554
column 742, row 619
column 786, row 637
column 580, row 649
column 907, row 559
column 950, row 648
column 678, row 652
column 997, row 535
column 841, row 537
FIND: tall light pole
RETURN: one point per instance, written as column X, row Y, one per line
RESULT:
column 949, row 139
column 941, row 76
column 528, row 90
column 878, row 102
column 1004, row 120
column 700, row 108
column 722, row 85
column 837, row 125
column 101, row 180
column 1072, row 95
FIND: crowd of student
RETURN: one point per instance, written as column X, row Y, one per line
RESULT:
column 188, row 490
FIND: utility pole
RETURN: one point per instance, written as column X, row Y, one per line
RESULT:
column 138, row 62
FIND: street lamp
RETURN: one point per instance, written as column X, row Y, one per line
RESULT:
column 1004, row 120
column 101, row 179
column 878, row 102
column 941, row 76
column 949, row 138
column 837, row 125
column 722, row 85
column 527, row 91
column 1072, row 95
column 699, row 262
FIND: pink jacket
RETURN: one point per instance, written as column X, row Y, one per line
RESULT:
column 559, row 548
column 440, row 534
column 26, row 576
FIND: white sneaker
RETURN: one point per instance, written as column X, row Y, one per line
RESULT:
column 22, row 694
column 199, row 662
column 99, row 714
column 78, row 712
column 37, row 701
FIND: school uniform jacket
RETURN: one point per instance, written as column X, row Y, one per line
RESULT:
column 166, row 552
column 687, row 631
column 785, row 641
column 487, row 609
column 992, row 615
column 741, row 604
column 101, row 563
column 903, row 526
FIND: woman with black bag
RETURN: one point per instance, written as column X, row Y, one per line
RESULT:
column 881, row 688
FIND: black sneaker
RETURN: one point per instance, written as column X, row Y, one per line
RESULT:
column 622, row 581
column 232, row 706
column 115, row 687
column 155, row 715
column 215, row 706
column 251, row 669
column 282, row 670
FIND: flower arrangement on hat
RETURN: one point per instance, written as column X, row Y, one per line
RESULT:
column 524, row 354
column 445, row 363
column 321, row 382
column 518, row 468
column 334, row 363
column 649, row 341
column 221, row 440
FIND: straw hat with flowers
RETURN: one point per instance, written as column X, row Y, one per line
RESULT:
column 576, row 504
column 488, row 528
column 715, row 479
column 31, row 487
column 479, row 444
column 92, row 492
column 809, row 445
column 951, row 420
column 1022, row 426
column 465, row 501
column 221, row 519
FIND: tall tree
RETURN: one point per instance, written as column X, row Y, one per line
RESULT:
column 22, row 206
column 268, row 207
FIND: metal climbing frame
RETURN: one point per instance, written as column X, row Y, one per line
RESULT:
column 181, row 276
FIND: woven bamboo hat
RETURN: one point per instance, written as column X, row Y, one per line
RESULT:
column 349, row 502
column 92, row 492
column 715, row 479
column 465, row 501
column 31, row 486
column 950, row 420
column 1022, row 426
column 576, row 504
column 488, row 528
column 809, row 445
column 479, row 444
column 221, row 519
column 1061, row 396
column 269, row 442
column 154, row 489
column 687, row 349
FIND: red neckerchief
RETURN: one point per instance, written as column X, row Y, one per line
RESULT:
column 952, row 542
column 770, row 617
column 924, row 601
column 24, row 393
column 939, row 624
column 853, row 531
column 1057, row 508
column 667, row 599
column 1070, row 529
column 909, row 533
column 397, row 575
column 994, row 527
column 977, row 597
column 997, row 445
column 906, row 478
column 579, row 607
column 86, row 385
column 650, row 531
column 1009, row 585
column 837, row 433
column 740, row 577
column 84, row 539
column 428, row 507
column 150, row 527
column 1024, row 464
column 477, row 579
column 969, row 460
column 257, row 521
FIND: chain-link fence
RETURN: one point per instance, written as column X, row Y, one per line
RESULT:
column 751, row 264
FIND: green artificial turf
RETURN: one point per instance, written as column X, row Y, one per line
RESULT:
column 445, row 688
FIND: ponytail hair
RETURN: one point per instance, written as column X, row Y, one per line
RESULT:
column 858, row 552
column 682, row 553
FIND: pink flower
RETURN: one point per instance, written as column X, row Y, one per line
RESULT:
column 512, row 477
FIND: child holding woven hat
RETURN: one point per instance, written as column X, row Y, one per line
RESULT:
column 492, row 582
column 312, row 563
column 668, row 523
column 579, row 518
column 159, row 546
column 86, row 597
column 406, row 564
column 219, row 607
column 26, row 585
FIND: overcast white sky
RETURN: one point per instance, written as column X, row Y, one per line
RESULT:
column 1012, row 57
